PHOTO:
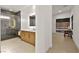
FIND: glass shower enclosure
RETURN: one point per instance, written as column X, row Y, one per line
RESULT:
column 10, row 24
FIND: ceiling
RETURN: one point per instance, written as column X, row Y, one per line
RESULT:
column 56, row 8
column 15, row 8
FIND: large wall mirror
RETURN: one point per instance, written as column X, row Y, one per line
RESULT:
column 32, row 20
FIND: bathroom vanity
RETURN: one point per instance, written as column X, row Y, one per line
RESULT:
column 28, row 37
column 28, row 34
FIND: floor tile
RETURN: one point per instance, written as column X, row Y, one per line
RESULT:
column 16, row 45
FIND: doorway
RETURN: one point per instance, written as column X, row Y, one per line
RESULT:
column 61, row 43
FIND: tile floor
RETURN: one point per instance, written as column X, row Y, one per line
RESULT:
column 62, row 45
column 16, row 45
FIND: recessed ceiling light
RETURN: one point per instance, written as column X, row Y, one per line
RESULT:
column 59, row 11
column 10, row 9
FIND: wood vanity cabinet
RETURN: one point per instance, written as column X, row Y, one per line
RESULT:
column 28, row 37
column 32, row 37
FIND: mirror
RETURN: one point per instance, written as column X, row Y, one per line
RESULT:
column 32, row 20
column 12, row 23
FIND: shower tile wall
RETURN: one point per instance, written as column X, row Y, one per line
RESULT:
column 6, row 31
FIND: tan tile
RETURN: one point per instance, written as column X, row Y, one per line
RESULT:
column 16, row 45
column 62, row 45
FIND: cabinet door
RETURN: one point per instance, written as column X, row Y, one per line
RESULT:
column 27, row 37
column 32, row 38
column 22, row 35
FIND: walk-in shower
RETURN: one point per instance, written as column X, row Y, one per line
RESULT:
column 10, row 24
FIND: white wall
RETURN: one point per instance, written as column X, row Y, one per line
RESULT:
column 63, row 15
column 75, row 13
column 53, row 24
column 44, row 28
column 25, row 17
column 58, row 16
